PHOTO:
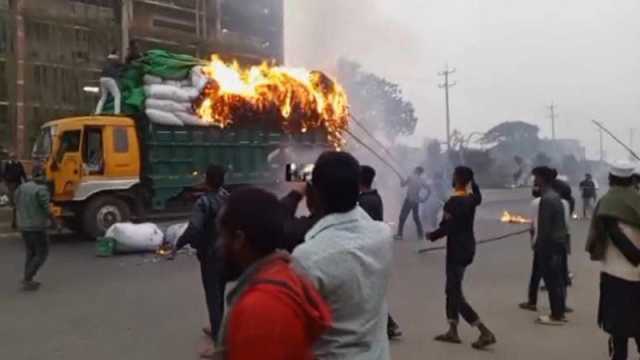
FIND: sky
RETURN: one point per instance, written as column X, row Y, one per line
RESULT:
column 513, row 58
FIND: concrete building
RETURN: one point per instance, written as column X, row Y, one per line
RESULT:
column 51, row 51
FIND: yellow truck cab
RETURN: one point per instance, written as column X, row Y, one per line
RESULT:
column 107, row 169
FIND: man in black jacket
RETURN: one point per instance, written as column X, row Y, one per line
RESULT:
column 202, row 235
column 371, row 202
column 551, row 245
column 457, row 225
column 14, row 175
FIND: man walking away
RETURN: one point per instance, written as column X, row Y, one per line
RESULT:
column 202, row 235
column 414, row 184
column 14, row 175
column 348, row 256
column 32, row 204
column 109, row 83
column 614, row 240
column 589, row 195
column 274, row 312
column 457, row 225
column 371, row 202
column 551, row 245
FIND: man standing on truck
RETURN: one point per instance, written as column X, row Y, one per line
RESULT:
column 109, row 82
column 202, row 235
column 32, row 204
column 14, row 175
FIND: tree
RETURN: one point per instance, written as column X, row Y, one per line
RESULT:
column 376, row 102
column 513, row 138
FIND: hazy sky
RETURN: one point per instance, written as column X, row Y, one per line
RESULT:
column 513, row 57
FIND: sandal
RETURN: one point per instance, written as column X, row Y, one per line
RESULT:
column 448, row 338
column 483, row 341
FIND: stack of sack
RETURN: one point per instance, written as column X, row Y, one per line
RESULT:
column 170, row 101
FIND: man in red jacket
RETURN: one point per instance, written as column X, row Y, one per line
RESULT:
column 274, row 312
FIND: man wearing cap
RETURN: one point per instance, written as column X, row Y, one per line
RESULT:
column 32, row 210
column 614, row 240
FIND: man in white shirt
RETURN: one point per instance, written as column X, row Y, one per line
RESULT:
column 348, row 256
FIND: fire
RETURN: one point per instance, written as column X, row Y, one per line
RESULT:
column 300, row 99
column 514, row 219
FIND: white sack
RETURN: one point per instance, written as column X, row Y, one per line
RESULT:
column 135, row 237
column 163, row 117
column 198, row 78
column 174, row 83
column 190, row 119
column 174, row 232
column 167, row 105
column 167, row 92
column 151, row 79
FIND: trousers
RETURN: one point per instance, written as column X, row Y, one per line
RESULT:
column 619, row 347
column 456, row 303
column 413, row 207
column 108, row 86
column 37, row 247
column 553, row 267
column 11, row 188
column 214, row 284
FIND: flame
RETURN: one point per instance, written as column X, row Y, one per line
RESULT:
column 300, row 99
column 514, row 219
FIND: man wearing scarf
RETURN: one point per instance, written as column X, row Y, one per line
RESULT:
column 614, row 240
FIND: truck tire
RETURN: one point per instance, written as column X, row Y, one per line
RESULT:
column 102, row 212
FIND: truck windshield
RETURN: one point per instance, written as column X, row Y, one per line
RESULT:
column 42, row 146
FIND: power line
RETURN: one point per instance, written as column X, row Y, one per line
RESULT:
column 446, row 85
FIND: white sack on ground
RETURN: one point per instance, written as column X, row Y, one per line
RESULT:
column 198, row 78
column 190, row 119
column 135, row 237
column 163, row 117
column 167, row 92
column 151, row 80
column 167, row 105
column 174, row 232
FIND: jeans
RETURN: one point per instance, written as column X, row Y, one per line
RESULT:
column 553, row 266
column 108, row 86
column 11, row 188
column 413, row 207
column 37, row 246
column 619, row 347
column 456, row 303
column 214, row 284
column 534, row 281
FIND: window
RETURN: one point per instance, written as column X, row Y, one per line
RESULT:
column 69, row 143
column 120, row 140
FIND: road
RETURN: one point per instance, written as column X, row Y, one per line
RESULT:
column 135, row 307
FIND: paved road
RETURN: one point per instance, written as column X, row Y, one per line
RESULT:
column 132, row 307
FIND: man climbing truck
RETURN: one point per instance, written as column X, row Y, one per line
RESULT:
column 107, row 169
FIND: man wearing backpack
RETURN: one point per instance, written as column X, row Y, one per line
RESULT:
column 202, row 235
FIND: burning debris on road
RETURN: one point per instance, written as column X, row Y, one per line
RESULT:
column 509, row 218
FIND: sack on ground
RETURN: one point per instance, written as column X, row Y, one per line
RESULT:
column 163, row 117
column 135, row 237
column 167, row 105
column 168, row 92
column 174, row 232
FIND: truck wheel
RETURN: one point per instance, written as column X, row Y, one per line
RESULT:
column 102, row 212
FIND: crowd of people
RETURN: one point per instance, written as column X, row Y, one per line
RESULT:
column 314, row 286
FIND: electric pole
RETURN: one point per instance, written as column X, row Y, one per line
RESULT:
column 552, row 116
column 446, row 85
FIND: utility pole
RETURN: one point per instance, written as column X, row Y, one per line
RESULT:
column 552, row 116
column 446, row 85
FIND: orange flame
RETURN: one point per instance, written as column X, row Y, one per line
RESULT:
column 514, row 219
column 299, row 98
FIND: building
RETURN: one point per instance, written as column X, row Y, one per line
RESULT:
column 51, row 51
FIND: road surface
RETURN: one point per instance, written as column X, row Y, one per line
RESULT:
column 134, row 307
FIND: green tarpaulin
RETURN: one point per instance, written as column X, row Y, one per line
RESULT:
column 159, row 63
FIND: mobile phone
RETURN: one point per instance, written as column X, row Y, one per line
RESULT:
column 298, row 173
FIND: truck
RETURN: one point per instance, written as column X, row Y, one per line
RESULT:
column 107, row 169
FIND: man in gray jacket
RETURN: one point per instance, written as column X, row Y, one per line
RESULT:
column 551, row 245
column 32, row 212
column 348, row 257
